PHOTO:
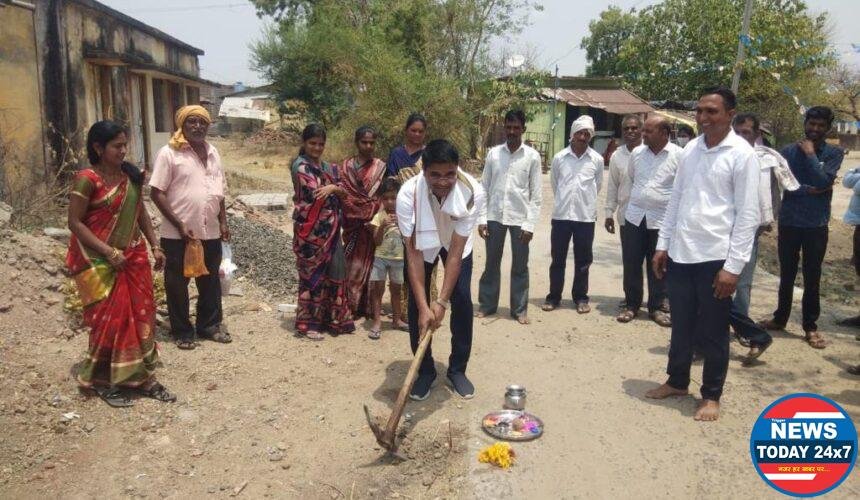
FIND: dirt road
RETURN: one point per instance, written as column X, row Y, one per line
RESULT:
column 275, row 416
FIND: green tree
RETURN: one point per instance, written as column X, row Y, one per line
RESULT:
column 678, row 47
column 606, row 37
column 374, row 61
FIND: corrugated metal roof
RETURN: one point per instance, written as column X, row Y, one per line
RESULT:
column 616, row 101
column 685, row 117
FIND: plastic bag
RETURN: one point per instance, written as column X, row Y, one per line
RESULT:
column 227, row 268
column 194, row 262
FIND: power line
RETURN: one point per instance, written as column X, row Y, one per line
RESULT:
column 565, row 55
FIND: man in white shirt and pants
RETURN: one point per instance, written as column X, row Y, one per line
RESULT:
column 576, row 176
column 619, row 183
column 642, row 224
column 705, row 241
column 437, row 211
column 512, row 181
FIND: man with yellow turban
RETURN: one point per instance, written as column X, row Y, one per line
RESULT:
column 188, row 188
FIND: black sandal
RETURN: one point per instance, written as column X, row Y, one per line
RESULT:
column 220, row 335
column 114, row 397
column 158, row 392
column 186, row 345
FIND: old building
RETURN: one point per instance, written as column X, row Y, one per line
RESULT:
column 67, row 64
column 603, row 99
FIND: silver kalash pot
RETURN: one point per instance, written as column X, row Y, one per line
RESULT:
column 515, row 397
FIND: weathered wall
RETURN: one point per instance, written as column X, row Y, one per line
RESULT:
column 541, row 122
column 49, row 54
column 22, row 158
column 90, row 31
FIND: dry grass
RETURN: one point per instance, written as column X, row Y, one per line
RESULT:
column 44, row 201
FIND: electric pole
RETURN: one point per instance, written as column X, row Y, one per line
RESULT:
column 745, row 31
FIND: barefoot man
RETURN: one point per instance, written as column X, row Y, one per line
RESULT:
column 512, row 180
column 705, row 241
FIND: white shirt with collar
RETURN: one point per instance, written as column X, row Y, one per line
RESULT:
column 619, row 184
column 512, row 181
column 445, row 224
column 644, row 165
column 713, row 213
column 575, row 181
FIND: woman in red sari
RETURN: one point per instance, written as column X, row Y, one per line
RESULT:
column 361, row 177
column 108, row 260
column 322, row 302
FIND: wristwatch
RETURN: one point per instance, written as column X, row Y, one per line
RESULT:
column 444, row 303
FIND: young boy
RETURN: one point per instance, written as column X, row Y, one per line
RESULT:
column 389, row 258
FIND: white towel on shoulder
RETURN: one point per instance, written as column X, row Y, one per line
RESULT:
column 456, row 205
column 786, row 179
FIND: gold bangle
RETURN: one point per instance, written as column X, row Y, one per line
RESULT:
column 115, row 253
column 153, row 249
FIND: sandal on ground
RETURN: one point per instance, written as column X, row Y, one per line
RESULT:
column 186, row 345
column 523, row 319
column 374, row 333
column 401, row 325
column 662, row 318
column 741, row 340
column 220, row 335
column 313, row 335
column 771, row 325
column 548, row 306
column 158, row 392
column 853, row 370
column 815, row 340
column 626, row 316
column 113, row 396
column 756, row 351
column 583, row 308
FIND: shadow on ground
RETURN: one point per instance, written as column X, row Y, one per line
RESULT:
column 636, row 388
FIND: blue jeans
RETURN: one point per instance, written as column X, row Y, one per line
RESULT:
column 739, row 319
column 741, row 302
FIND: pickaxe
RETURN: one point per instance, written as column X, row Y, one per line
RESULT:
column 387, row 437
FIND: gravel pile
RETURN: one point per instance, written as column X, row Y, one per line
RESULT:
column 265, row 255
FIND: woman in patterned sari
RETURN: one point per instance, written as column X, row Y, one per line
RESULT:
column 361, row 176
column 108, row 260
column 322, row 301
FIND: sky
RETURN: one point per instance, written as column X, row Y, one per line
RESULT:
column 224, row 29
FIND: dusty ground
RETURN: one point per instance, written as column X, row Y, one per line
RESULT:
column 272, row 415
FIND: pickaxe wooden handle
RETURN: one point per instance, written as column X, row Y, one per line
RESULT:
column 387, row 437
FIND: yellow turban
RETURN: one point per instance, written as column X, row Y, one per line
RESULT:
column 178, row 140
